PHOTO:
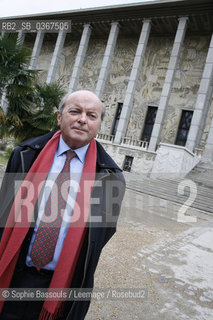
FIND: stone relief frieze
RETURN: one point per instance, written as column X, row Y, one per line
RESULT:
column 185, row 87
column 92, row 64
column 170, row 125
column 151, row 78
column 150, row 82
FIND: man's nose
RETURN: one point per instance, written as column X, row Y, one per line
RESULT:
column 82, row 117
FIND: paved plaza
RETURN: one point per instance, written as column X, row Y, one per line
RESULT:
column 169, row 260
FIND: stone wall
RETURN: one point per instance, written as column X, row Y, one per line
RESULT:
column 118, row 79
column 186, row 84
column 45, row 57
column 142, row 163
column 150, row 82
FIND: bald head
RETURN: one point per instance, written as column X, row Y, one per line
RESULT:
column 81, row 93
column 79, row 117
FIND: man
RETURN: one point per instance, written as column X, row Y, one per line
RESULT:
column 61, row 252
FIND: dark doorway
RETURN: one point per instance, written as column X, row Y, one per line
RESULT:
column 184, row 127
column 149, row 123
column 117, row 118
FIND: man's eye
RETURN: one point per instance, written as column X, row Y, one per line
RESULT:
column 73, row 111
column 93, row 116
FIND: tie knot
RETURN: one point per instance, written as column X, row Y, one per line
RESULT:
column 70, row 155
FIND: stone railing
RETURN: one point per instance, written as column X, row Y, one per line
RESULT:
column 105, row 137
column 135, row 143
column 125, row 141
column 198, row 152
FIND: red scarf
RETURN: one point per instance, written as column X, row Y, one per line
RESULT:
column 15, row 231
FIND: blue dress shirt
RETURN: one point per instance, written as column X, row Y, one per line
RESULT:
column 76, row 168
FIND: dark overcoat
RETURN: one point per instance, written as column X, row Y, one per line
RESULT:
column 109, row 190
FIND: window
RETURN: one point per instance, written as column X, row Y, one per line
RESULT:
column 149, row 123
column 128, row 163
column 183, row 128
column 117, row 117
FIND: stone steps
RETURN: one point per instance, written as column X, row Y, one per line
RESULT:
column 154, row 211
column 173, row 188
column 202, row 174
column 199, row 202
column 182, row 192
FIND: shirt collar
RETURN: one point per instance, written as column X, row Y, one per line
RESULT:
column 63, row 147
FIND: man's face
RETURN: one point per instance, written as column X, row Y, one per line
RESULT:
column 80, row 119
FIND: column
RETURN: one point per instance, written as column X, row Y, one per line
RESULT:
column 165, row 95
column 80, row 57
column 202, row 102
column 107, row 59
column 208, row 151
column 36, row 50
column 128, row 101
column 56, row 56
column 21, row 37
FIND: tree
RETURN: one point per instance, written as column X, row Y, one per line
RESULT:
column 14, row 59
column 42, row 116
column 30, row 105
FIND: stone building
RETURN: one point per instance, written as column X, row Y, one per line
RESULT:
column 152, row 65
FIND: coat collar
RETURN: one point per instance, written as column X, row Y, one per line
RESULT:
column 104, row 161
column 37, row 143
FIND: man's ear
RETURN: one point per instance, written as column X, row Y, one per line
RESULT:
column 59, row 118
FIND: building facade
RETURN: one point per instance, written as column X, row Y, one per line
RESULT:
column 152, row 66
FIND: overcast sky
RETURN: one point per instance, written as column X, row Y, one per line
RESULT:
column 10, row 8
